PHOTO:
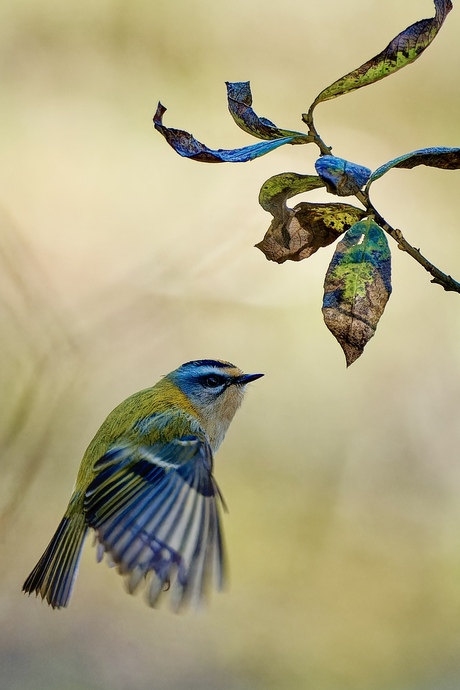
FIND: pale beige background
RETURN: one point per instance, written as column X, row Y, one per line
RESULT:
column 119, row 260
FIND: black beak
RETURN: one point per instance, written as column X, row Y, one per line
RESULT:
column 246, row 378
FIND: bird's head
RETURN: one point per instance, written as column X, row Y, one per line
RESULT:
column 215, row 389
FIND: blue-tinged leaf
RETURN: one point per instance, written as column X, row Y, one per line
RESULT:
column 357, row 287
column 340, row 176
column 401, row 51
column 186, row 145
column 435, row 157
column 239, row 104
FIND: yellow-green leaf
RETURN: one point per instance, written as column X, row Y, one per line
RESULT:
column 401, row 51
column 357, row 287
column 278, row 189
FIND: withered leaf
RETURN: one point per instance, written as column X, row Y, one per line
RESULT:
column 187, row 146
column 300, row 232
column 239, row 98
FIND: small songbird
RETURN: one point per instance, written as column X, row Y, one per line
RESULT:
column 146, row 488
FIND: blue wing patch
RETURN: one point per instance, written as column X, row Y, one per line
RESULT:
column 156, row 514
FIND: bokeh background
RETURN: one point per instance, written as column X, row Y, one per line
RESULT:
column 120, row 260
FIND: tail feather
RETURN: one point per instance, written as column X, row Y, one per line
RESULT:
column 54, row 575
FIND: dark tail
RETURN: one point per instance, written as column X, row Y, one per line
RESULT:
column 54, row 575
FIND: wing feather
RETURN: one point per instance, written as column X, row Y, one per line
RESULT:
column 155, row 511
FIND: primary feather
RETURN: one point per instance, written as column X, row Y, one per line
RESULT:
column 156, row 514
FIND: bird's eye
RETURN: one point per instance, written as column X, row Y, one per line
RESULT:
column 213, row 381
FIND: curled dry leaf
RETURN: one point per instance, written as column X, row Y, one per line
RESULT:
column 299, row 232
column 239, row 98
column 340, row 176
column 187, row 146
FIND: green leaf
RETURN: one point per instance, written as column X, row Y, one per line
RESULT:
column 278, row 189
column 436, row 157
column 340, row 176
column 186, row 145
column 401, row 51
column 357, row 287
column 239, row 104
column 298, row 233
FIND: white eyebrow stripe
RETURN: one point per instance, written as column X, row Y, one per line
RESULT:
column 207, row 370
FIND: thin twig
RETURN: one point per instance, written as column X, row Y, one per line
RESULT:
column 438, row 276
column 307, row 118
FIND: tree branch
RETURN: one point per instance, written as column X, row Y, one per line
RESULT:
column 307, row 118
column 438, row 276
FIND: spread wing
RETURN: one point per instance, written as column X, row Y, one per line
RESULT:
column 155, row 510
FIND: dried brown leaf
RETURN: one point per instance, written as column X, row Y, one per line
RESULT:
column 300, row 232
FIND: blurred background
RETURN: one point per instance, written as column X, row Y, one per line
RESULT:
column 119, row 260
